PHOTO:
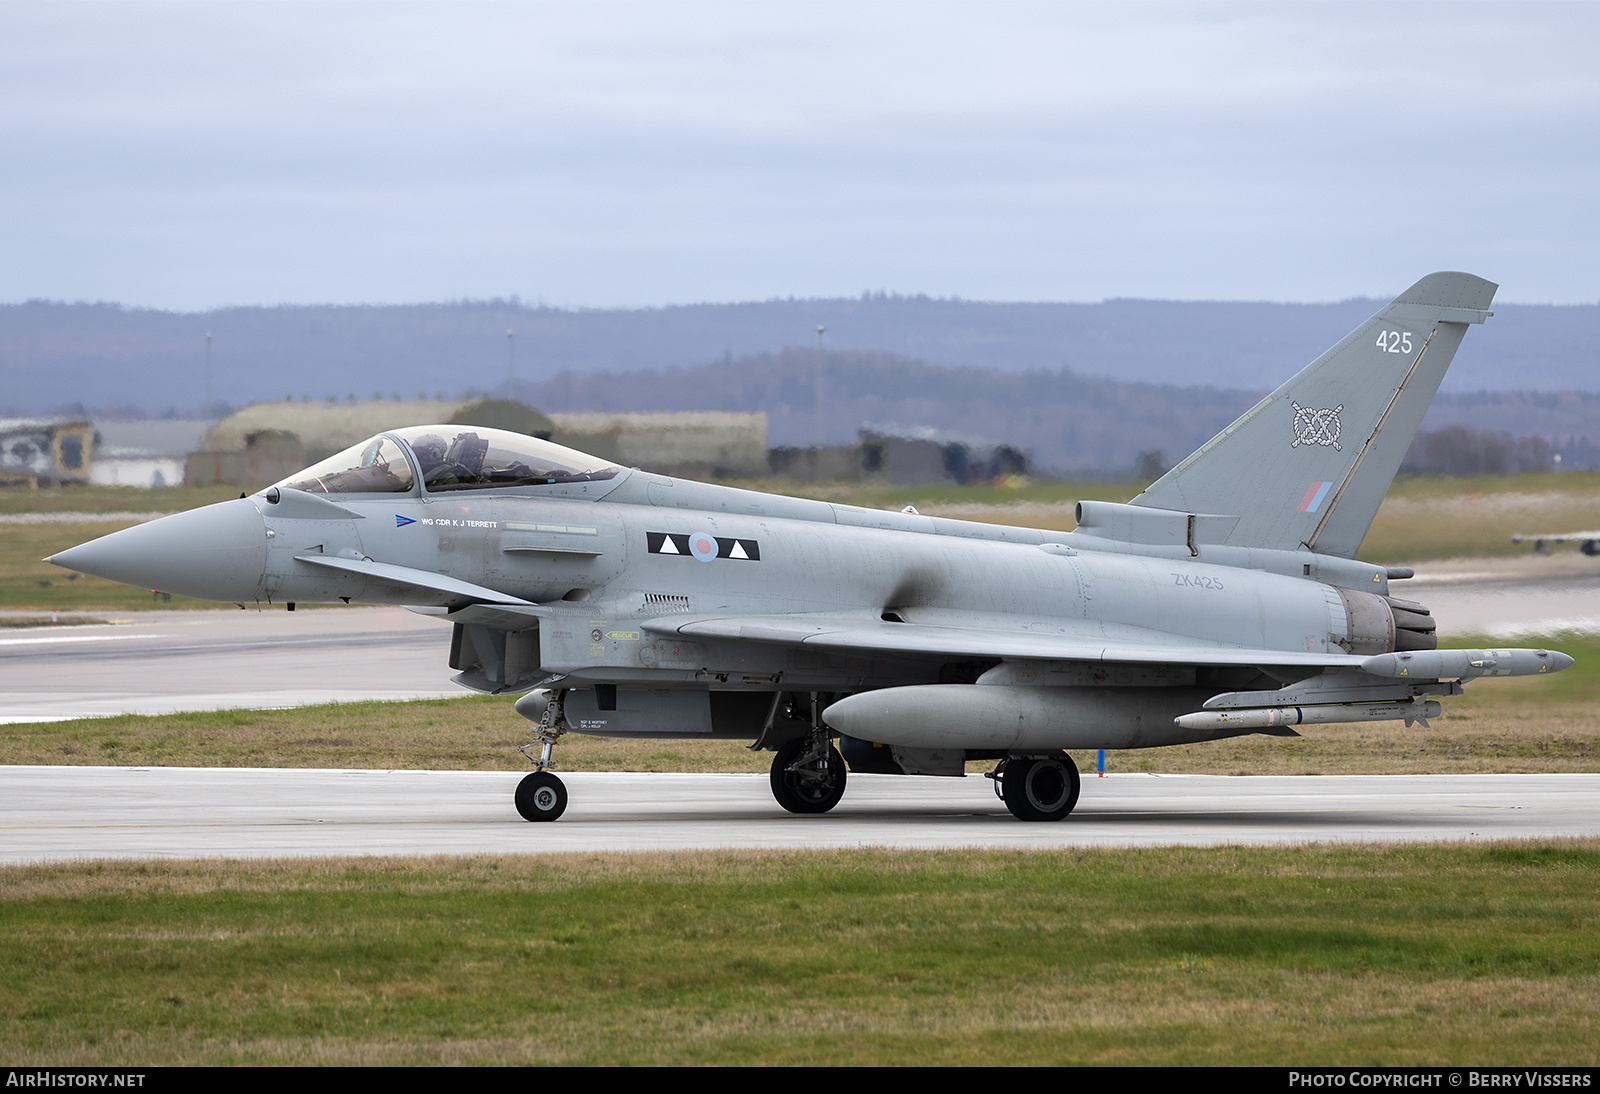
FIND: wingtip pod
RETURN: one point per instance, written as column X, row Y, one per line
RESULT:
column 1464, row 664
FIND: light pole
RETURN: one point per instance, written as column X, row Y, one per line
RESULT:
column 822, row 359
column 205, row 411
column 511, row 354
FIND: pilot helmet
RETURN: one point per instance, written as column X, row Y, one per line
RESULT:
column 430, row 449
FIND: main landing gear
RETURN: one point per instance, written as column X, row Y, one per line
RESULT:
column 808, row 773
column 542, row 796
column 1037, row 788
column 808, row 776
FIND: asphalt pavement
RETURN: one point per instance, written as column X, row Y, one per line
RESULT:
column 67, row 813
column 164, row 662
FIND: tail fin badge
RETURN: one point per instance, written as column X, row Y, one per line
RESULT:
column 1316, row 426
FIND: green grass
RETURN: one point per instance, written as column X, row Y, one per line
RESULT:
column 1320, row 955
column 112, row 499
column 28, row 583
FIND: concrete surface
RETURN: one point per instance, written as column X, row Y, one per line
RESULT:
column 56, row 813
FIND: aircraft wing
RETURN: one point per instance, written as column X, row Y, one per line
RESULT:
column 1092, row 642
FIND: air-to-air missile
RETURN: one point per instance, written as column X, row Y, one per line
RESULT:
column 1225, row 599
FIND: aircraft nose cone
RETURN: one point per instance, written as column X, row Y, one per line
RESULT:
column 215, row 553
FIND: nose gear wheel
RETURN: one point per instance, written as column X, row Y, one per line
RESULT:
column 541, row 797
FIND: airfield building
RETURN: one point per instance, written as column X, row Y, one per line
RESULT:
column 269, row 441
column 45, row 451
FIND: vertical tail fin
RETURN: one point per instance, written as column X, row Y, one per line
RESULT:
column 1309, row 464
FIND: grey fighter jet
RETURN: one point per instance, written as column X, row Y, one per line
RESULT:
column 1223, row 600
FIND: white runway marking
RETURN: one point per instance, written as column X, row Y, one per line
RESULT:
column 59, row 813
column 165, row 662
column 75, row 638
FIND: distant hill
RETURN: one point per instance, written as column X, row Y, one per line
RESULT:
column 101, row 354
column 1085, row 424
column 1067, row 420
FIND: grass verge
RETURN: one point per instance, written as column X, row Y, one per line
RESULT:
column 112, row 499
column 1529, row 724
column 29, row 583
column 1320, row 955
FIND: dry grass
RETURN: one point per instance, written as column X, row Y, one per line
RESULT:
column 1527, row 725
column 1422, row 518
column 1434, row 518
column 479, row 733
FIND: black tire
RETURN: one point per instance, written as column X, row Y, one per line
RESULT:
column 801, row 795
column 541, row 797
column 1040, row 788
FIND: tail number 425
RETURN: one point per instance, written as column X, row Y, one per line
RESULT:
column 1394, row 341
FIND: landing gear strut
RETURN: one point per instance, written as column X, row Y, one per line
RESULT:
column 542, row 796
column 1038, row 788
column 808, row 773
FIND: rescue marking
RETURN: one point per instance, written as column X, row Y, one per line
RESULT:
column 1316, row 426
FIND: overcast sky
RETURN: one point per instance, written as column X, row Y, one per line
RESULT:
column 192, row 155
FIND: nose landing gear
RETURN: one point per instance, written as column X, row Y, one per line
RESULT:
column 542, row 796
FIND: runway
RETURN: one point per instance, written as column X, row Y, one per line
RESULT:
column 68, row 813
column 164, row 662
column 1507, row 598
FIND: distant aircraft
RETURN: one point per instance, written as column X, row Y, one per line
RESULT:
column 1541, row 541
column 1223, row 600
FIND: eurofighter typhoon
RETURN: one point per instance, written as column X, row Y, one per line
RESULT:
column 1224, row 600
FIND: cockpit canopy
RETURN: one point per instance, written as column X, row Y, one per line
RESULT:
column 449, row 457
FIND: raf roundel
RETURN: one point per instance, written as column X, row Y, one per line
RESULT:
column 703, row 546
